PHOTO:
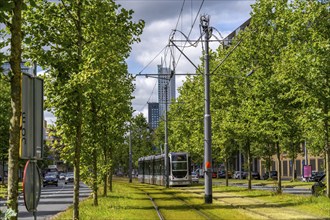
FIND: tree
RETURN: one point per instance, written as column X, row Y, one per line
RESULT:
column 11, row 17
column 309, row 71
column 62, row 38
column 141, row 137
column 4, row 122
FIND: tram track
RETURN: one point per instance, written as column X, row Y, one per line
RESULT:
column 181, row 199
column 160, row 216
column 248, row 201
column 172, row 195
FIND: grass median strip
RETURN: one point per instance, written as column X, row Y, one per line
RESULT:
column 124, row 202
column 130, row 201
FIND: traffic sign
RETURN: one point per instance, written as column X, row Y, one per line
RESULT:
column 31, row 186
column 32, row 118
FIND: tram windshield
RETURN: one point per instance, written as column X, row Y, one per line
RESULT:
column 179, row 166
column 179, row 157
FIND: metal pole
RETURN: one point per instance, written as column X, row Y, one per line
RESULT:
column 130, row 155
column 207, row 117
column 33, row 160
column 306, row 153
column 167, row 168
column 240, row 164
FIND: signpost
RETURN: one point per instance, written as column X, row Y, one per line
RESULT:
column 32, row 118
column 307, row 171
column 31, row 147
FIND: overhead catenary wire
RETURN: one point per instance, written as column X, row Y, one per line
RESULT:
column 175, row 63
column 152, row 92
column 192, row 26
column 152, row 60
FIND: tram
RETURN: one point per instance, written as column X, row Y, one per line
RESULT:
column 152, row 169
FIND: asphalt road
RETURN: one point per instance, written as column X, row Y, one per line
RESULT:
column 52, row 201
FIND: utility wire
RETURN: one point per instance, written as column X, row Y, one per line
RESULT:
column 192, row 26
column 152, row 92
column 153, row 60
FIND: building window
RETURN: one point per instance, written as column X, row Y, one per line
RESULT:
column 285, row 168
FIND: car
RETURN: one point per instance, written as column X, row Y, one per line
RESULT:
column 62, row 176
column 52, row 173
column 316, row 176
column 273, row 175
column 50, row 180
column 194, row 177
column 200, row 173
column 319, row 187
column 214, row 174
column 69, row 178
column 240, row 175
column 222, row 174
column 255, row 175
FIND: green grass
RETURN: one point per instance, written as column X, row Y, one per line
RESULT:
column 123, row 203
column 129, row 201
column 3, row 191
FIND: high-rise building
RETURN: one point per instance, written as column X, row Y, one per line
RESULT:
column 228, row 40
column 165, row 83
column 153, row 114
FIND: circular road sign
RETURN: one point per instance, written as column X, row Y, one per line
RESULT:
column 31, row 186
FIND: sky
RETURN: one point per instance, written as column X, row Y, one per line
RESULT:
column 161, row 18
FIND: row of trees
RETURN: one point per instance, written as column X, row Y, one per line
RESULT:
column 284, row 103
column 82, row 45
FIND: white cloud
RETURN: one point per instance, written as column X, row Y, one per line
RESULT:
column 161, row 17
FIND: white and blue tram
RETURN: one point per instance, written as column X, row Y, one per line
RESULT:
column 152, row 169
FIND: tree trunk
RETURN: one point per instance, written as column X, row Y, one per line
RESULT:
column 327, row 155
column 105, row 185
column 95, row 171
column 293, row 167
column 279, row 172
column 249, row 165
column 79, row 118
column 77, row 162
column 110, row 178
column 95, row 186
column 16, row 105
column 226, row 167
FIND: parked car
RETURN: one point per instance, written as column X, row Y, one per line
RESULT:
column 316, row 176
column 318, row 187
column 240, row 175
column 62, row 176
column 255, row 175
column 200, row 173
column 50, row 180
column 194, row 177
column 214, row 174
column 222, row 174
column 69, row 178
column 273, row 175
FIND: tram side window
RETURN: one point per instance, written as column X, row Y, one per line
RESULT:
column 147, row 167
column 162, row 166
column 154, row 166
column 141, row 167
column 157, row 167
